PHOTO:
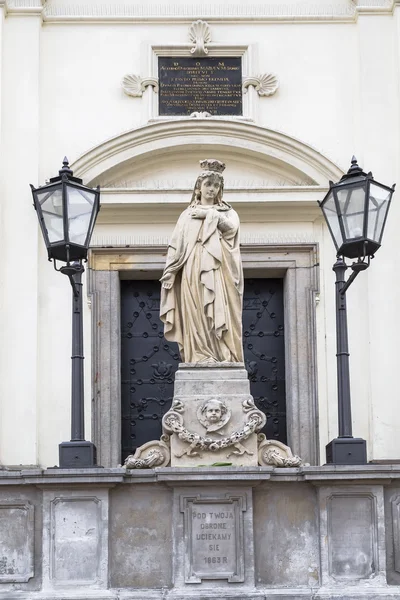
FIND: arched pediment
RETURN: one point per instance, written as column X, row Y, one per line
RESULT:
column 165, row 154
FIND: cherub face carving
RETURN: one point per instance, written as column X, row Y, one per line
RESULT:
column 213, row 411
column 213, row 414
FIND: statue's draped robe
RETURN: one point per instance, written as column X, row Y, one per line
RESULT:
column 202, row 311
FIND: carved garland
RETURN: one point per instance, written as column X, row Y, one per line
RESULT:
column 157, row 453
column 173, row 423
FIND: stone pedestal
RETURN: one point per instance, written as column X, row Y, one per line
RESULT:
column 213, row 421
column 213, row 418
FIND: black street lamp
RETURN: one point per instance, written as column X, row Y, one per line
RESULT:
column 67, row 212
column 355, row 210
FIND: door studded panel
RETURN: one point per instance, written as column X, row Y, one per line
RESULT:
column 149, row 362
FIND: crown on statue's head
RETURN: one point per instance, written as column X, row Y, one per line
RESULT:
column 211, row 164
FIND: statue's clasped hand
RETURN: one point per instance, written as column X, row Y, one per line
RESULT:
column 198, row 213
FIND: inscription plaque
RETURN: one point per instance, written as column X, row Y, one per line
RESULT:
column 213, row 538
column 75, row 540
column 16, row 541
column 352, row 537
column 190, row 85
column 396, row 532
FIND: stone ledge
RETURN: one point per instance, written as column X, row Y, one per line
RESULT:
column 211, row 365
column 317, row 475
column 386, row 593
column 70, row 595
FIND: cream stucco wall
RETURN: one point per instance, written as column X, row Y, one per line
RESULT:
column 61, row 69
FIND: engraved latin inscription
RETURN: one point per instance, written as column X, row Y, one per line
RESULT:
column 188, row 85
column 214, row 538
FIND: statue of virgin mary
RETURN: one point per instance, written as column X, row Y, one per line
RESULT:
column 202, row 283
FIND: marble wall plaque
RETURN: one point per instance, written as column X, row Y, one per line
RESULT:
column 396, row 532
column 352, row 536
column 188, row 85
column 75, row 540
column 16, row 541
column 213, row 532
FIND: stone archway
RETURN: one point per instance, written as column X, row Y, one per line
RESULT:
column 275, row 149
column 296, row 175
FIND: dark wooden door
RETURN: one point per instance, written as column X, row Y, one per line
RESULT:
column 149, row 362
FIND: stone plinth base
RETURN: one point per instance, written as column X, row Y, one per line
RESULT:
column 213, row 418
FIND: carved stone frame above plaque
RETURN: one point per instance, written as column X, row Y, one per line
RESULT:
column 200, row 47
column 214, row 537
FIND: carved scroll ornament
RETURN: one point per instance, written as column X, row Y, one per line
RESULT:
column 200, row 115
column 150, row 455
column 272, row 453
column 134, row 85
column 265, row 85
column 200, row 35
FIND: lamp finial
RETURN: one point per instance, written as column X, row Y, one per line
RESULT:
column 354, row 169
column 65, row 168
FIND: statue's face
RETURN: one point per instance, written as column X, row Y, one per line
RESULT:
column 209, row 190
column 213, row 412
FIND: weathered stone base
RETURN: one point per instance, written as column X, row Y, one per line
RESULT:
column 228, row 384
column 311, row 533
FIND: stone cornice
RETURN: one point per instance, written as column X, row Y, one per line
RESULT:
column 375, row 7
column 24, row 7
column 318, row 475
column 305, row 12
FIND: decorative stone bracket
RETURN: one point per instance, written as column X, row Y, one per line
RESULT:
column 134, row 85
column 265, row 85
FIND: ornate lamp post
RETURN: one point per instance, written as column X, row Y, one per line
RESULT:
column 67, row 212
column 355, row 210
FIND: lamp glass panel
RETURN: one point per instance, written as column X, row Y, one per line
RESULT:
column 352, row 208
column 330, row 213
column 52, row 211
column 80, row 207
column 377, row 208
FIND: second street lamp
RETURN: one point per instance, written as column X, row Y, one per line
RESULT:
column 67, row 212
column 355, row 210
